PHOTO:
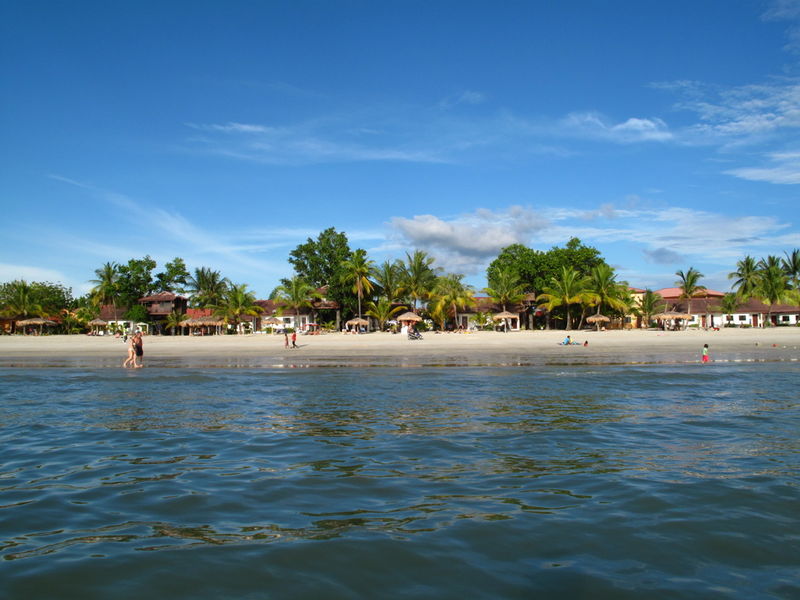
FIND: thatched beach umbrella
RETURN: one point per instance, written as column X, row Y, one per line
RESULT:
column 504, row 316
column 358, row 322
column 36, row 321
column 671, row 316
column 97, row 323
column 598, row 319
column 409, row 316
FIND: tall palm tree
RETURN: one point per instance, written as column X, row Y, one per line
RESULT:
column 206, row 287
column 770, row 261
column 174, row 320
column 295, row 294
column 382, row 310
column 450, row 294
column 650, row 304
column 505, row 288
column 388, row 276
column 690, row 287
column 356, row 270
column 106, row 288
column 773, row 288
column 606, row 289
column 729, row 304
column 746, row 276
column 236, row 303
column 419, row 276
column 566, row 289
column 791, row 267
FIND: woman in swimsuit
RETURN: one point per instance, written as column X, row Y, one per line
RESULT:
column 131, row 359
column 138, row 348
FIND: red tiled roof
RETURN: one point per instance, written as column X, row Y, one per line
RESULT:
column 161, row 297
column 674, row 293
column 196, row 313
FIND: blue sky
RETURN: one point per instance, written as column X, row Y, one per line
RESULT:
column 663, row 133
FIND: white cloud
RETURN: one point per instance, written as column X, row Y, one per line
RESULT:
column 785, row 171
column 595, row 125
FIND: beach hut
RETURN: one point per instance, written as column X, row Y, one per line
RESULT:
column 597, row 319
column 504, row 316
column 357, row 323
column 96, row 324
column 35, row 321
column 671, row 316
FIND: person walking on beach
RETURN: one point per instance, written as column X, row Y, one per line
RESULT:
column 705, row 358
column 138, row 349
column 294, row 339
column 285, row 340
column 131, row 358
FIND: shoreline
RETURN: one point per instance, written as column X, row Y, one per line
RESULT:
column 485, row 348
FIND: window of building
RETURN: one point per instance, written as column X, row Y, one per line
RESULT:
column 743, row 317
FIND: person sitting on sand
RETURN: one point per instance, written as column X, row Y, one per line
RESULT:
column 567, row 341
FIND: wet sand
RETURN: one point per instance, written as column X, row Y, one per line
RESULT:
column 384, row 349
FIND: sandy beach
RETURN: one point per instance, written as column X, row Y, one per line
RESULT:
column 523, row 347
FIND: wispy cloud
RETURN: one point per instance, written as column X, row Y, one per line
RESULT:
column 786, row 169
column 596, row 126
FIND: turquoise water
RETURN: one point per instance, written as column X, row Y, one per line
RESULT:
column 662, row 481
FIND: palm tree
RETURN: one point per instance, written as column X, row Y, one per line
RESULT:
column 505, row 288
column 607, row 291
column 388, row 276
column 773, row 288
column 770, row 261
column 174, row 320
column 418, row 276
column 746, row 276
column 382, row 310
column 791, row 267
column 357, row 270
column 689, row 286
column 295, row 294
column 106, row 288
column 236, row 303
column 729, row 304
column 650, row 304
column 450, row 294
column 207, row 287
column 569, row 288
column 21, row 301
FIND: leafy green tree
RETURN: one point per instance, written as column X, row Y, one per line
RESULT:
column 791, row 267
column 419, row 276
column 174, row 278
column 532, row 267
column 19, row 300
column 237, row 302
column 729, row 304
column 356, row 271
column 319, row 262
column 296, row 294
column 449, row 295
column 106, row 286
column 570, row 287
column 137, row 313
column 388, row 277
column 505, row 288
column 207, row 287
column 382, row 310
column 746, row 277
column 135, row 280
column 689, row 284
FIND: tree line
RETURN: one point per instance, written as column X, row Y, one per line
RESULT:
column 566, row 284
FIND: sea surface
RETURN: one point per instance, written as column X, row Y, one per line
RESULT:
column 613, row 481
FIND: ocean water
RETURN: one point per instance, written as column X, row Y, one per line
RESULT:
column 615, row 481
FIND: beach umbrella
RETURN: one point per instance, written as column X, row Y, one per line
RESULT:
column 36, row 321
column 357, row 321
column 504, row 315
column 598, row 319
column 95, row 323
column 409, row 316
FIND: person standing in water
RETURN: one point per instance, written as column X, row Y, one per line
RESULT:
column 138, row 349
column 705, row 358
column 130, row 361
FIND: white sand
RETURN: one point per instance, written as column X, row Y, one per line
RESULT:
column 781, row 342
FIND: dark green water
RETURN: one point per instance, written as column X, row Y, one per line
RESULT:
column 664, row 481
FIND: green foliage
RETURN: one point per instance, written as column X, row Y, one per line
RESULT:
column 536, row 269
column 136, row 313
column 607, row 292
column 174, row 278
column 20, row 299
column 746, row 277
column 388, row 277
column 135, row 280
column 319, row 263
column 507, row 288
column 382, row 310
column 570, row 287
column 295, row 293
column 418, row 276
column 449, row 295
column 650, row 304
column 236, row 303
column 356, row 271
column 207, row 287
